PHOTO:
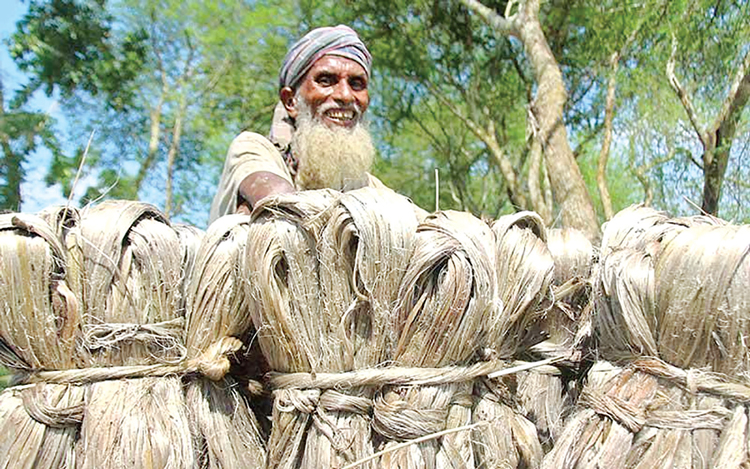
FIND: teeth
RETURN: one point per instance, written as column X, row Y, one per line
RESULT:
column 340, row 115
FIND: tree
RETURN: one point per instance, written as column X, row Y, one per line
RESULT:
column 717, row 136
column 520, row 105
column 165, row 84
column 21, row 132
column 448, row 97
column 667, row 151
column 466, row 68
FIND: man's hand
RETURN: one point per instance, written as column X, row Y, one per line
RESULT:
column 257, row 186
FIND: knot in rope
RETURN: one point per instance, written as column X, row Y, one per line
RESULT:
column 397, row 419
column 214, row 363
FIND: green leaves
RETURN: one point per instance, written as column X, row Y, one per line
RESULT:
column 21, row 132
column 131, row 69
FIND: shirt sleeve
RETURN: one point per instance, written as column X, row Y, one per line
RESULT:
column 249, row 153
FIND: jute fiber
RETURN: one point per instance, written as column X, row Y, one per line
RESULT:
column 547, row 394
column 670, row 388
column 38, row 324
column 223, row 422
column 93, row 328
column 125, row 268
column 523, row 268
column 323, row 272
column 543, row 278
column 381, row 331
column 444, row 316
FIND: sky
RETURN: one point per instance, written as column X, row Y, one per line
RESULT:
column 34, row 192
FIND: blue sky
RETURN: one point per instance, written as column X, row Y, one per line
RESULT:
column 34, row 192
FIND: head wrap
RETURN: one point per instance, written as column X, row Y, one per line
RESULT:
column 338, row 40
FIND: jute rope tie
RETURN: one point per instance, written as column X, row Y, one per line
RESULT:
column 696, row 380
column 693, row 381
column 213, row 363
column 40, row 409
column 635, row 419
column 164, row 336
column 319, row 393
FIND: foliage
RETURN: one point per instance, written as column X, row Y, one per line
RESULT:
column 162, row 85
column 441, row 73
column 68, row 44
column 21, row 133
column 165, row 85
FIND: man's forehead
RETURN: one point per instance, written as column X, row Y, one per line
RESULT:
column 337, row 65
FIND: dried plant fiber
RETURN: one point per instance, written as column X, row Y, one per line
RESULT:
column 324, row 270
column 224, row 424
column 379, row 331
column 672, row 311
column 38, row 322
column 446, row 304
column 190, row 240
column 120, row 318
column 532, row 318
column 106, row 356
column 118, row 252
column 548, row 397
column 524, row 269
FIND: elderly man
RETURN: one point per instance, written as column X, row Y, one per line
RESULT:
column 318, row 139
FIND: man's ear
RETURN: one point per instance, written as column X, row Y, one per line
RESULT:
column 286, row 95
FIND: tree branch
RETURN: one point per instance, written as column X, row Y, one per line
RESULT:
column 609, row 112
column 473, row 126
column 504, row 26
column 487, row 136
column 685, row 99
column 738, row 95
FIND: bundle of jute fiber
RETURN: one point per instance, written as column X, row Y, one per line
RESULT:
column 445, row 310
column 125, row 269
column 224, row 424
column 324, row 282
column 524, row 271
column 672, row 314
column 547, row 394
column 568, row 320
column 190, row 240
column 38, row 325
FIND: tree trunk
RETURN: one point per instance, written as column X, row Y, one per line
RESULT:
column 506, row 168
column 536, row 195
column 153, row 142
column 716, row 140
column 716, row 159
column 565, row 178
column 568, row 188
column 609, row 112
column 174, row 148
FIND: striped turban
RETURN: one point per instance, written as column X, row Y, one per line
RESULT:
column 333, row 40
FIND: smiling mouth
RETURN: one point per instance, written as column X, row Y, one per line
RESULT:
column 341, row 116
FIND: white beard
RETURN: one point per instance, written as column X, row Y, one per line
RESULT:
column 336, row 158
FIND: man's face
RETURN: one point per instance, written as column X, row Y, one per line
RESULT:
column 335, row 90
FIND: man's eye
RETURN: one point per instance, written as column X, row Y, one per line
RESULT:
column 326, row 80
column 358, row 84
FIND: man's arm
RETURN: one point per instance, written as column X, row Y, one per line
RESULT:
column 257, row 186
column 249, row 153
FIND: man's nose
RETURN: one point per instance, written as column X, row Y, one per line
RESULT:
column 343, row 93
